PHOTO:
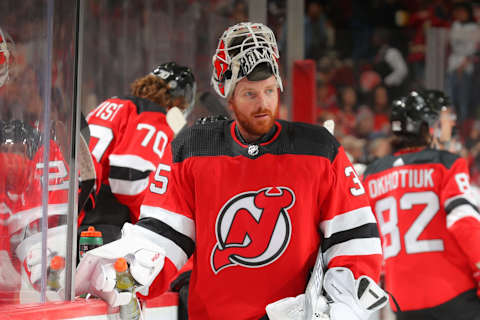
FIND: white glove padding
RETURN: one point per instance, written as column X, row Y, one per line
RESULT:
column 29, row 251
column 294, row 309
column 352, row 299
column 96, row 274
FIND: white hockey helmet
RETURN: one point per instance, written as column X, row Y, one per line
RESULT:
column 6, row 56
column 240, row 49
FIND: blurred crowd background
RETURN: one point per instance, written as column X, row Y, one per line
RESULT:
column 367, row 53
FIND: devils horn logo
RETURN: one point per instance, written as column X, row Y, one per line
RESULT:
column 253, row 228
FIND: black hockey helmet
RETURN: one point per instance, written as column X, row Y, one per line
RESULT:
column 180, row 82
column 417, row 109
column 18, row 132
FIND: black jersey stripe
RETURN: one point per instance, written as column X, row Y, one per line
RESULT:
column 368, row 230
column 459, row 202
column 163, row 229
column 215, row 139
column 427, row 156
column 144, row 105
column 123, row 173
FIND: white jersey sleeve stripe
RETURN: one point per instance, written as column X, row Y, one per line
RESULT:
column 126, row 187
column 347, row 220
column 25, row 217
column 131, row 161
column 172, row 250
column 460, row 212
column 177, row 221
column 355, row 247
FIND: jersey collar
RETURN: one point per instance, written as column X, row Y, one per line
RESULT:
column 408, row 150
column 264, row 140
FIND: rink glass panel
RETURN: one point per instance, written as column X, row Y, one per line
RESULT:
column 122, row 40
column 36, row 108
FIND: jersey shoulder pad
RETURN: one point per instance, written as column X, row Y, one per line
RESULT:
column 432, row 156
column 379, row 165
column 447, row 158
column 144, row 105
column 205, row 139
column 310, row 139
column 427, row 156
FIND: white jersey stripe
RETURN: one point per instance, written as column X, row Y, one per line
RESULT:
column 179, row 222
column 174, row 252
column 460, row 212
column 127, row 187
column 130, row 161
column 25, row 217
column 355, row 247
column 347, row 220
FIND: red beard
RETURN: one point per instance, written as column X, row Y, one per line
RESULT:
column 254, row 125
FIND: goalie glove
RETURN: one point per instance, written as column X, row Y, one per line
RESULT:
column 96, row 273
column 311, row 305
column 294, row 309
column 29, row 252
column 352, row 299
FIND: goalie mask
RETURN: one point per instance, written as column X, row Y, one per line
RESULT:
column 180, row 83
column 417, row 109
column 241, row 49
column 6, row 56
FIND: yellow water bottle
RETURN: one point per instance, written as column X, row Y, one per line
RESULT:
column 126, row 283
column 57, row 264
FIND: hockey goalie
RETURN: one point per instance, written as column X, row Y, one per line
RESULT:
column 254, row 201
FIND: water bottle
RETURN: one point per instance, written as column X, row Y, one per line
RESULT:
column 125, row 282
column 57, row 264
column 89, row 239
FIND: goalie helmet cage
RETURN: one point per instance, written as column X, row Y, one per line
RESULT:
column 304, row 90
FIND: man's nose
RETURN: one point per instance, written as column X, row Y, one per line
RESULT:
column 262, row 100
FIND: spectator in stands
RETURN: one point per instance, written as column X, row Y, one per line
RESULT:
column 380, row 106
column 428, row 15
column 389, row 63
column 239, row 11
column 315, row 30
column 463, row 40
column 364, row 125
column 353, row 147
column 326, row 99
column 345, row 119
column 377, row 148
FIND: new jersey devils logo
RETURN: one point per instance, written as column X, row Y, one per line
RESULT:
column 253, row 228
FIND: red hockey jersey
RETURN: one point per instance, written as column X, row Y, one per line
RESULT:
column 429, row 223
column 256, row 215
column 21, row 195
column 129, row 137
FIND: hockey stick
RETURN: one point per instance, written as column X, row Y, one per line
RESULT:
column 85, row 165
column 329, row 125
column 176, row 120
column 313, row 309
